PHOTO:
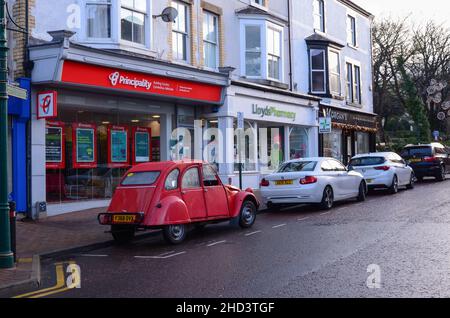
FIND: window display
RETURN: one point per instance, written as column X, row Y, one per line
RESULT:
column 84, row 150
column 118, row 146
column 298, row 141
column 141, row 145
column 332, row 144
column 55, row 145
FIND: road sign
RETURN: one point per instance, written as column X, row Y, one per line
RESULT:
column 16, row 91
column 436, row 135
column 324, row 125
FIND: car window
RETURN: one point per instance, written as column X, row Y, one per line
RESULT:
column 303, row 166
column 326, row 166
column 209, row 177
column 417, row 152
column 337, row 166
column 367, row 161
column 172, row 180
column 440, row 151
column 191, row 179
column 141, row 178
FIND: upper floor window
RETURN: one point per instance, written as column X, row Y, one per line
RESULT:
column 180, row 32
column 210, row 40
column 98, row 14
column 351, row 30
column 260, row 2
column 335, row 72
column 318, row 71
column 274, row 54
column 353, row 87
column 262, row 50
column 132, row 20
column 319, row 15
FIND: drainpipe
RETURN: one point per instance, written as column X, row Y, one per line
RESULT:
column 26, row 62
column 291, row 81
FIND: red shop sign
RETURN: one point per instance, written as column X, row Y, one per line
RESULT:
column 55, row 146
column 84, row 146
column 118, row 148
column 142, row 146
column 93, row 75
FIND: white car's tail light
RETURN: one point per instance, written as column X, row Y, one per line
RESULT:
column 383, row 168
column 308, row 180
column 264, row 183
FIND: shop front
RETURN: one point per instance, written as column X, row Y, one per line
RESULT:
column 99, row 113
column 260, row 128
column 352, row 133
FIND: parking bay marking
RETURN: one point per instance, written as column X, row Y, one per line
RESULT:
column 216, row 243
column 278, row 226
column 253, row 233
column 93, row 255
column 303, row 219
column 161, row 256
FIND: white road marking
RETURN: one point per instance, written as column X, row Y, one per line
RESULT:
column 303, row 219
column 93, row 255
column 253, row 233
column 278, row 226
column 160, row 256
column 325, row 213
column 167, row 253
column 216, row 243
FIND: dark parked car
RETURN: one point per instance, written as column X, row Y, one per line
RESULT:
column 430, row 160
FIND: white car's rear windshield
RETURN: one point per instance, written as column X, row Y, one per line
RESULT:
column 367, row 161
column 141, row 178
column 303, row 166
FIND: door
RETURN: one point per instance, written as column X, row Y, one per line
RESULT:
column 347, row 182
column 192, row 193
column 403, row 172
column 215, row 196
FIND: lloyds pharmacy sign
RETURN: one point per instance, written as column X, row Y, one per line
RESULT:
column 270, row 111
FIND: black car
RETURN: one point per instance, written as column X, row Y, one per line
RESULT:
column 432, row 160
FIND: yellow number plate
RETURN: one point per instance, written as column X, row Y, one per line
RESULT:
column 415, row 160
column 369, row 180
column 124, row 219
column 284, row 182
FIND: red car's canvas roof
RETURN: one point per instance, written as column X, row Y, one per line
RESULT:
column 160, row 166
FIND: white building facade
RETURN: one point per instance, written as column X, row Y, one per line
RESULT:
column 125, row 80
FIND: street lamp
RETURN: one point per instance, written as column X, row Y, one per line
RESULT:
column 6, row 255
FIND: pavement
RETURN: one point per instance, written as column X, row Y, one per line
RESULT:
column 48, row 236
column 389, row 246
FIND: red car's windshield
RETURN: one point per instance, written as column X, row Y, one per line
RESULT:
column 141, row 178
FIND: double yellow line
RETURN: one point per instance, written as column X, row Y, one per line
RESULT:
column 60, row 286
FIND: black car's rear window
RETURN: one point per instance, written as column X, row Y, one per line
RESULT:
column 303, row 166
column 417, row 152
column 141, row 178
column 367, row 161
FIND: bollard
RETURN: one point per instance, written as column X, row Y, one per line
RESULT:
column 12, row 222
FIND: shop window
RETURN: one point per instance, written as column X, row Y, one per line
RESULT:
column 132, row 19
column 262, row 50
column 362, row 142
column 98, row 14
column 210, row 40
column 244, row 147
column 332, row 145
column 298, row 140
column 88, row 152
column 180, row 32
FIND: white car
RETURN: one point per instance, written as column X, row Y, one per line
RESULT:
column 312, row 180
column 384, row 170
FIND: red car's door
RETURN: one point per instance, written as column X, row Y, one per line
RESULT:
column 192, row 193
column 215, row 196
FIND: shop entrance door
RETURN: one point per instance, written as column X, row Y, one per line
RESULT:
column 349, row 148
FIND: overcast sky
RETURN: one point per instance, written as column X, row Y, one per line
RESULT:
column 420, row 10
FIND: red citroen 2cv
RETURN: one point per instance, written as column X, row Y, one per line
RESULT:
column 172, row 195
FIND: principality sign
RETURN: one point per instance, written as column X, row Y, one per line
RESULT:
column 47, row 106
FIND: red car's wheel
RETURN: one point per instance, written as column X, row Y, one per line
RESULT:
column 248, row 214
column 174, row 234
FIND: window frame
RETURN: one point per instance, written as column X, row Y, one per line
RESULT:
column 217, row 39
column 115, row 38
column 330, row 73
column 264, row 26
column 146, row 23
column 200, row 181
column 186, row 34
column 354, row 96
column 320, row 15
column 357, row 96
column 273, row 55
column 352, row 31
column 324, row 70
column 178, row 180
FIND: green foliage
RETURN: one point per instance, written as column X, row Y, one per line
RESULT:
column 414, row 104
